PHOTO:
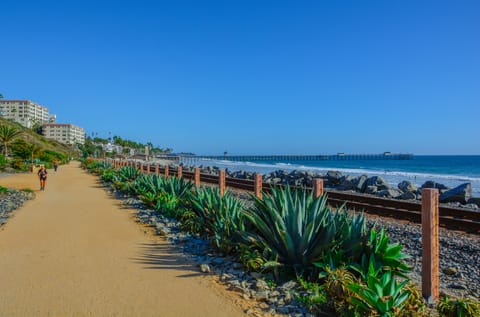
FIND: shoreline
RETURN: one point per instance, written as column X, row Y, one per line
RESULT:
column 391, row 176
column 463, row 194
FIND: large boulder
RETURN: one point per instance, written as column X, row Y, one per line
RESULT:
column 389, row 193
column 408, row 196
column 474, row 200
column 371, row 190
column 334, row 177
column 407, row 186
column 348, row 183
column 459, row 194
column 361, row 183
column 379, row 182
column 432, row 184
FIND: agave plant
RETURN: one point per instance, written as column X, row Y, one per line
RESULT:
column 107, row 175
column 350, row 239
column 125, row 177
column 382, row 255
column 296, row 227
column 178, row 187
column 382, row 295
column 220, row 216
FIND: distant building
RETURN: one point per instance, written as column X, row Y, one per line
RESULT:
column 110, row 148
column 25, row 112
column 64, row 133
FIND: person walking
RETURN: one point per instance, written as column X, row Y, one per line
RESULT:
column 55, row 165
column 42, row 175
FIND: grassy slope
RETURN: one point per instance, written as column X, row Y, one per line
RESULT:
column 32, row 137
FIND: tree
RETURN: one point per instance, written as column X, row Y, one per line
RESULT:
column 1, row 96
column 7, row 136
column 36, row 126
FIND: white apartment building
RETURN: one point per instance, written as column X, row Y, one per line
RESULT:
column 64, row 133
column 25, row 112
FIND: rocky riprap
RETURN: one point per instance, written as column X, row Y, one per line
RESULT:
column 460, row 196
column 11, row 200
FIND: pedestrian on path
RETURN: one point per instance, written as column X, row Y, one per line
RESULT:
column 42, row 175
column 55, row 165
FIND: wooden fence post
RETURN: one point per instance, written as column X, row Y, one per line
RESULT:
column 157, row 171
column 221, row 182
column 258, row 185
column 197, row 176
column 179, row 172
column 166, row 170
column 148, row 168
column 430, row 250
column 317, row 187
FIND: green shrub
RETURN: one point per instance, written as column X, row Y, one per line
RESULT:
column 251, row 257
column 337, row 289
column 314, row 297
column 20, row 165
column 3, row 162
column 463, row 307
column 415, row 305
column 190, row 221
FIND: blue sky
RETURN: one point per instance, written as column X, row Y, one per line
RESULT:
column 253, row 77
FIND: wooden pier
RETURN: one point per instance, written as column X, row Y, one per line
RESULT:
column 296, row 158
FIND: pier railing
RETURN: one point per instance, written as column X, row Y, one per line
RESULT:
column 294, row 158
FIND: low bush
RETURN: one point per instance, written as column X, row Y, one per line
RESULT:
column 462, row 307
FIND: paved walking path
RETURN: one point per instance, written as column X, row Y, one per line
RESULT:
column 74, row 251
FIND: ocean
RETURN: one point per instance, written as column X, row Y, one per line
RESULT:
column 445, row 169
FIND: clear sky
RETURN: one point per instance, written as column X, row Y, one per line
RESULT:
column 253, row 77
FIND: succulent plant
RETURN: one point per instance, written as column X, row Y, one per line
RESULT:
column 381, row 295
column 298, row 228
column 220, row 216
column 462, row 307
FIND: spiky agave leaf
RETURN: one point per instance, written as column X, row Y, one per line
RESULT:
column 295, row 226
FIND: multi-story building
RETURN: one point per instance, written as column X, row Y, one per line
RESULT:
column 25, row 112
column 64, row 133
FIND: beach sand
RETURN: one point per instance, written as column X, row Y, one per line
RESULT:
column 75, row 251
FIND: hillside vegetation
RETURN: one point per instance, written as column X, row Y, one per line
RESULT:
column 21, row 145
column 33, row 137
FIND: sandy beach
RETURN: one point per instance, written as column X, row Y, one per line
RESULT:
column 75, row 251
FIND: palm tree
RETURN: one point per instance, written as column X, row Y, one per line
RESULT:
column 7, row 135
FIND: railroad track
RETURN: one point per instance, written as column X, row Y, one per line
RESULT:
column 453, row 218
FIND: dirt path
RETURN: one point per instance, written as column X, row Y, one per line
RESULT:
column 73, row 251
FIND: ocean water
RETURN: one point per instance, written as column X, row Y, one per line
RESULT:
column 448, row 170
